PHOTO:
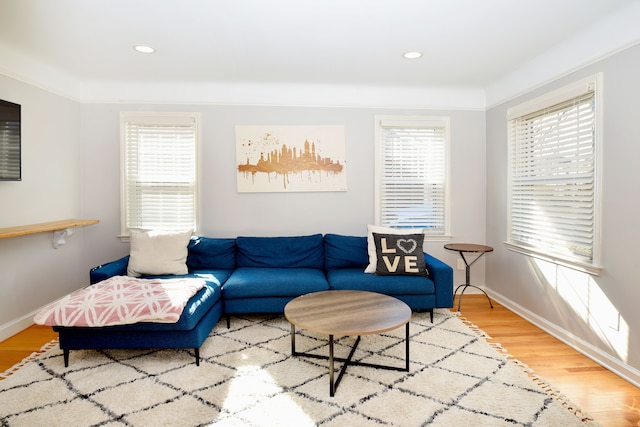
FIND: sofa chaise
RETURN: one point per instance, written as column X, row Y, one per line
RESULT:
column 260, row 275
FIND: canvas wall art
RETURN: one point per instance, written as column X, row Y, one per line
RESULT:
column 290, row 158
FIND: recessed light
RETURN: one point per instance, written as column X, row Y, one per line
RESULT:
column 144, row 49
column 412, row 55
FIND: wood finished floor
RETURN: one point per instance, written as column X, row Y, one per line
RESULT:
column 607, row 398
column 610, row 400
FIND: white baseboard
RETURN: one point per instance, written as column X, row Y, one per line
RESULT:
column 18, row 325
column 616, row 366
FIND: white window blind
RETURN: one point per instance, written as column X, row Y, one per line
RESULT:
column 553, row 178
column 159, row 171
column 411, row 174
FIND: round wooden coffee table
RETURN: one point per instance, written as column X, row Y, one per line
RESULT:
column 347, row 313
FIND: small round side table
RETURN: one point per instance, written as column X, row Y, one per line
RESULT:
column 469, row 248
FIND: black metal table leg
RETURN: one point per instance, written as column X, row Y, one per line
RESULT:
column 332, row 384
column 333, row 381
column 406, row 343
column 468, row 280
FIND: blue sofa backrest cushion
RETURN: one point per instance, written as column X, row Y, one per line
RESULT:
column 281, row 252
column 345, row 252
column 206, row 253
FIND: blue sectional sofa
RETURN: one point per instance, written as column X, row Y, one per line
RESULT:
column 260, row 275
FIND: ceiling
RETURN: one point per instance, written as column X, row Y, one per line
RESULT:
column 77, row 45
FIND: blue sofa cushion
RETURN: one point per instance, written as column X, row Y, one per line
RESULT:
column 252, row 282
column 357, row 279
column 198, row 306
column 345, row 252
column 281, row 252
column 110, row 269
column 212, row 276
column 211, row 253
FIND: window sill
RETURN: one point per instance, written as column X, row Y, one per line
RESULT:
column 441, row 238
column 591, row 269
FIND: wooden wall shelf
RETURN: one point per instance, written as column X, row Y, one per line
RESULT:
column 61, row 229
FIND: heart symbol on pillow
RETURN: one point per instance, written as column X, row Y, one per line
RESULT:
column 407, row 245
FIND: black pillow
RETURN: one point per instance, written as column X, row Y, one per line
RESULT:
column 400, row 254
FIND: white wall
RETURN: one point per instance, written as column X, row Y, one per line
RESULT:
column 32, row 273
column 227, row 213
column 71, row 170
column 597, row 314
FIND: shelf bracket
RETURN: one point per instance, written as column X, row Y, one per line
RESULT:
column 60, row 236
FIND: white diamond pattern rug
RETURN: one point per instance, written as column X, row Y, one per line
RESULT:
column 247, row 377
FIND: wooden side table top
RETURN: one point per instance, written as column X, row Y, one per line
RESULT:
column 346, row 312
column 468, row 247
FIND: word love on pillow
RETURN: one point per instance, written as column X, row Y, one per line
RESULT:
column 400, row 254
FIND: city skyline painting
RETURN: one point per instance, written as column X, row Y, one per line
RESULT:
column 290, row 158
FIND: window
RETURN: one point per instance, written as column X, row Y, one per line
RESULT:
column 553, row 142
column 158, row 156
column 411, row 173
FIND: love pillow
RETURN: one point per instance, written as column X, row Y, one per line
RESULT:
column 400, row 254
column 371, row 245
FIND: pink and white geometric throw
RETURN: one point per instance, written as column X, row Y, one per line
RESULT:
column 122, row 300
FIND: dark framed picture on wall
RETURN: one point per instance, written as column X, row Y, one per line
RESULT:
column 10, row 141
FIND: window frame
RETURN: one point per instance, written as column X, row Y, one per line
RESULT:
column 167, row 118
column 414, row 122
column 564, row 94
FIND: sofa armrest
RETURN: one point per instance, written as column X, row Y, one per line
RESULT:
column 442, row 276
column 110, row 269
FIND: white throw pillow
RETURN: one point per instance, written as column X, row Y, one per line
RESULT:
column 158, row 252
column 371, row 244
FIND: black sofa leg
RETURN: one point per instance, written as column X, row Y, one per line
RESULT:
column 431, row 313
column 228, row 321
column 65, row 355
